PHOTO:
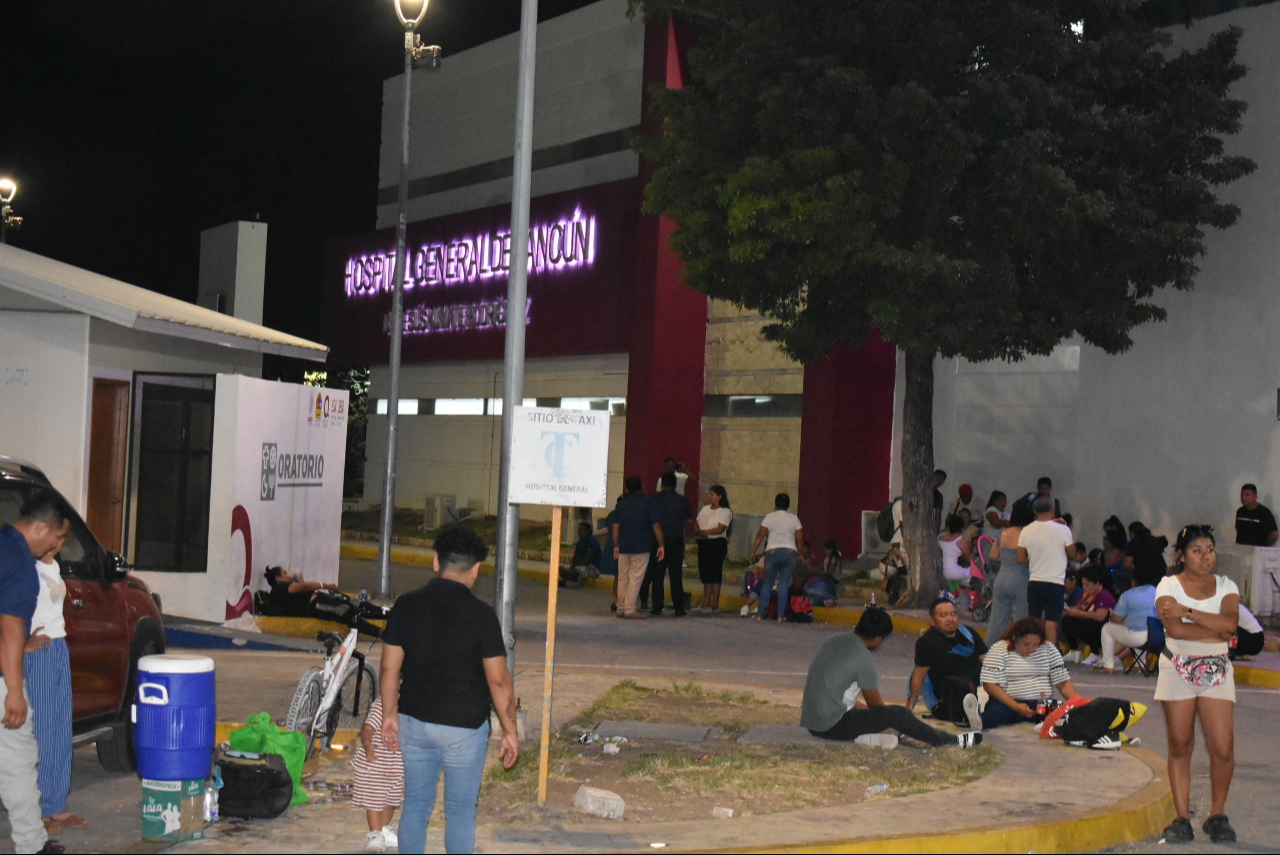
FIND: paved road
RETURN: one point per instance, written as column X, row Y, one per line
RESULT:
column 595, row 650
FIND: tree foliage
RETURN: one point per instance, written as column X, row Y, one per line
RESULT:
column 980, row 179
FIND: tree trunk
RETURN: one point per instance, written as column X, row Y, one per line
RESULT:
column 920, row 534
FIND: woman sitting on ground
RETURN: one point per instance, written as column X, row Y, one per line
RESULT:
column 1021, row 670
column 957, row 553
column 1083, row 622
column 842, row 690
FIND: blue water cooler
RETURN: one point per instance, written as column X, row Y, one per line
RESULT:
column 174, row 717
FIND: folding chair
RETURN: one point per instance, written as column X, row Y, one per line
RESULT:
column 1153, row 647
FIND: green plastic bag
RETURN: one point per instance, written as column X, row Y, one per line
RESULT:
column 260, row 736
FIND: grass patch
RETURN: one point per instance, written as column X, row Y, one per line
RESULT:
column 668, row 781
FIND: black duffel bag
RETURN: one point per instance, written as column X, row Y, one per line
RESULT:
column 254, row 786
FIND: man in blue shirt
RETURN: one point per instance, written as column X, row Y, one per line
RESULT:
column 673, row 514
column 633, row 525
column 40, row 529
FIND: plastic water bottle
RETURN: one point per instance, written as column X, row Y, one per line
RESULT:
column 364, row 595
column 873, row 598
column 210, row 801
column 876, row 790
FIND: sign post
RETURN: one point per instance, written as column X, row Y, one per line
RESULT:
column 558, row 458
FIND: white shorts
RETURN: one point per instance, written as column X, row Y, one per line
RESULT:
column 1171, row 687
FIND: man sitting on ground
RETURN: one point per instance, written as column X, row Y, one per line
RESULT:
column 842, row 690
column 948, row 667
column 585, row 563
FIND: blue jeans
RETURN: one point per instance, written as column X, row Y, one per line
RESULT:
column 427, row 749
column 778, row 563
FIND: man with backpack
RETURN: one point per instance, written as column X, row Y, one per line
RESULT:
column 948, row 666
column 893, row 567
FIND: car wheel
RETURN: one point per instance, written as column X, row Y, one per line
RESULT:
column 116, row 752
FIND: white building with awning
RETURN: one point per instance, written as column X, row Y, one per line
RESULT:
column 109, row 388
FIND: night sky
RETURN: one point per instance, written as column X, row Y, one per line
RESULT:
column 132, row 126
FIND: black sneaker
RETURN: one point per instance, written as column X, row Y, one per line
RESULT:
column 970, row 739
column 1219, row 829
column 1180, row 831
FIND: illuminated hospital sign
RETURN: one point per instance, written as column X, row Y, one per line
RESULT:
column 561, row 244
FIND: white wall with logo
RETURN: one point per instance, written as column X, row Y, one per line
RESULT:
column 279, row 451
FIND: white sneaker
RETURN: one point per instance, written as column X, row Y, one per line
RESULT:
column 744, row 611
column 969, row 740
column 373, row 842
column 1106, row 742
column 972, row 712
column 389, row 836
column 1071, row 657
column 1091, row 660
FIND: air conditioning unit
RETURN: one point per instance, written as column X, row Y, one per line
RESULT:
column 872, row 545
column 439, row 510
column 1256, row 572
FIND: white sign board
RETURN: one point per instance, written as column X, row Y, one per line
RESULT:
column 275, row 495
column 560, row 457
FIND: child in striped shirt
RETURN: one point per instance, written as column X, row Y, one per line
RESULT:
column 379, row 787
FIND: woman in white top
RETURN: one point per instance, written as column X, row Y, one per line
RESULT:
column 1200, row 611
column 785, row 539
column 713, row 545
column 46, row 668
column 996, row 516
column 957, row 553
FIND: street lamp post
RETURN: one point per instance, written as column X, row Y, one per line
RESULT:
column 8, row 219
column 413, row 51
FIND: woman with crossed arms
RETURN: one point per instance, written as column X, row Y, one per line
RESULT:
column 1200, row 611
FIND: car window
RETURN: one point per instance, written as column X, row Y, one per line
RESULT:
column 79, row 556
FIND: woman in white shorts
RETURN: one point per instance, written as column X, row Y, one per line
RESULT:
column 1199, row 611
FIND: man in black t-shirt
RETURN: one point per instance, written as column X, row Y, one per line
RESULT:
column 447, row 647
column 949, row 655
column 1255, row 524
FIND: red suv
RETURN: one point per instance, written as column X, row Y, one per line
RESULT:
column 112, row 621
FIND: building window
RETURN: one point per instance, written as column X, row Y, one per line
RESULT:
column 753, row 406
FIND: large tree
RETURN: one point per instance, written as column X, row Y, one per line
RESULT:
column 980, row 179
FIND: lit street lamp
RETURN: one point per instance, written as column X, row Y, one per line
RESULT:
column 8, row 219
column 413, row 51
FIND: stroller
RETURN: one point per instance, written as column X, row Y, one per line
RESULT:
column 982, row 578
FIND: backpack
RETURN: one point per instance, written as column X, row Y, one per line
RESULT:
column 254, row 786
column 884, row 522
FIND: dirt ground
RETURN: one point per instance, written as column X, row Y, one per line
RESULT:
column 666, row 781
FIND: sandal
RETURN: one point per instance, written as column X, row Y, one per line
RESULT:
column 1180, row 831
column 1219, row 829
column 70, row 820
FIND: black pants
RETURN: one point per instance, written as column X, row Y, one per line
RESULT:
column 1248, row 644
column 951, row 692
column 857, row 722
column 671, row 565
column 1077, row 631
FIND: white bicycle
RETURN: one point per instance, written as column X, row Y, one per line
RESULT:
column 339, row 694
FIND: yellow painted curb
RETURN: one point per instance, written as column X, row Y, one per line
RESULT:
column 222, row 733
column 1141, row 815
column 297, row 627
column 1262, row 678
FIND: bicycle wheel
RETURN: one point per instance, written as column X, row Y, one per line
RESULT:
column 303, row 707
column 356, row 693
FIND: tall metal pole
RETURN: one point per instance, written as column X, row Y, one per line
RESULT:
column 513, row 364
column 397, row 331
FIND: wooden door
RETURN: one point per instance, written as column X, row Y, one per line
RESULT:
column 108, row 443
